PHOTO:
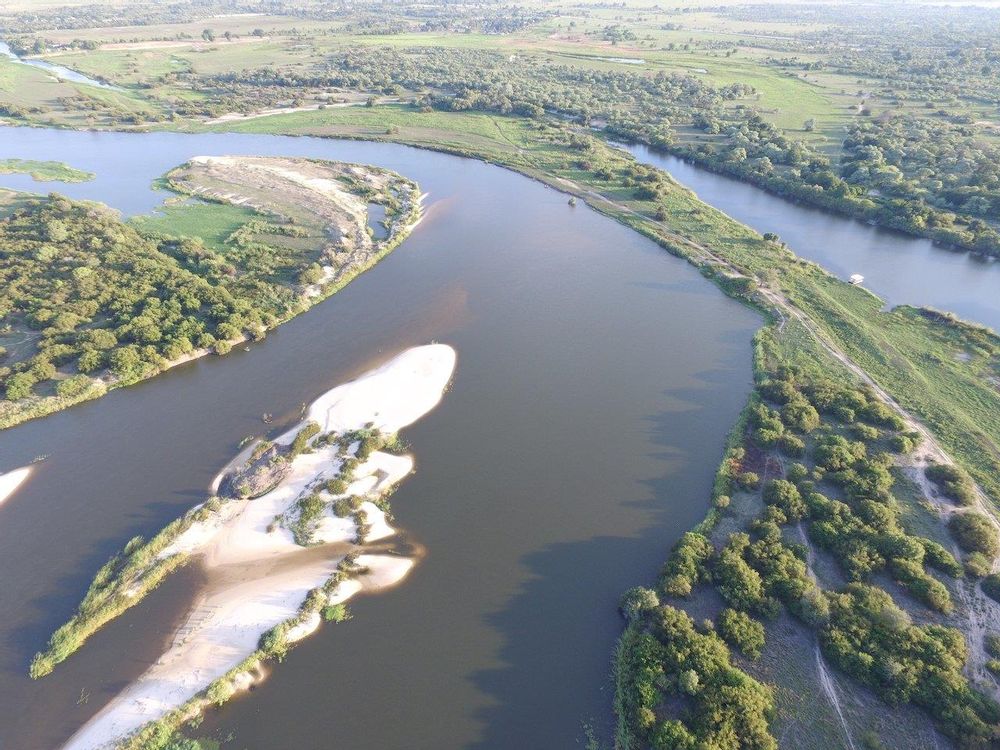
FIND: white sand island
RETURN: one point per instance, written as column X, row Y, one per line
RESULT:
column 259, row 574
column 10, row 481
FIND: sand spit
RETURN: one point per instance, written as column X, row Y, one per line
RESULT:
column 258, row 576
column 10, row 481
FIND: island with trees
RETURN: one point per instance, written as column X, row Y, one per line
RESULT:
column 93, row 302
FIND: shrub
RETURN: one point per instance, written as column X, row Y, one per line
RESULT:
column 19, row 386
column 977, row 565
column 991, row 586
column 800, row 415
column 938, row 557
column 766, row 438
column 991, row 642
column 925, row 588
column 336, row 486
column 974, row 533
column 740, row 585
column 779, row 391
column 742, row 631
column 336, row 613
column 873, row 640
column 637, row 601
column 834, row 453
column 302, row 438
column 865, row 433
column 74, row 386
column 747, row 480
column 954, row 481
column 791, row 445
column 220, row 691
column 723, row 702
column 347, row 506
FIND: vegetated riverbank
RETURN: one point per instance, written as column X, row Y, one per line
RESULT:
column 832, row 193
column 824, row 541
column 284, row 546
column 299, row 233
column 44, row 171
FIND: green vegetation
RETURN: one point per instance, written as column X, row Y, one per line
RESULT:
column 841, row 495
column 974, row 532
column 954, row 481
column 44, row 171
column 142, row 565
column 211, row 223
column 665, row 657
column 92, row 302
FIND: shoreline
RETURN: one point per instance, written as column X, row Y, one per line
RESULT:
column 261, row 580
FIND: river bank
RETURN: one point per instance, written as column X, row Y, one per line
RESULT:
column 260, row 579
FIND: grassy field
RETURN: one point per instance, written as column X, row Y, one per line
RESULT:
column 211, row 222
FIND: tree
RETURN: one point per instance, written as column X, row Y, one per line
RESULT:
column 637, row 601
column 19, row 386
column 785, row 495
column 689, row 682
column 208, row 35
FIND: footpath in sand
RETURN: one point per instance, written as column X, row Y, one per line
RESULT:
column 258, row 576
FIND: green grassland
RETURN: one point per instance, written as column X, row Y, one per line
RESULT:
column 211, row 222
column 44, row 171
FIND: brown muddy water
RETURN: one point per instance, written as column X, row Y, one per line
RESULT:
column 597, row 378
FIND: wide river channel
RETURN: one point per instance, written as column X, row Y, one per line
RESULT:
column 597, row 378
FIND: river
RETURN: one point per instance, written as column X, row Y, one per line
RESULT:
column 899, row 268
column 59, row 71
column 597, row 378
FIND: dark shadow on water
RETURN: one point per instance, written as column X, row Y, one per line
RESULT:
column 571, row 595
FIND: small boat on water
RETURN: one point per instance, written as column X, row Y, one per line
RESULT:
column 857, row 279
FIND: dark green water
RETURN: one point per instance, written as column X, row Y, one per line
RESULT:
column 596, row 381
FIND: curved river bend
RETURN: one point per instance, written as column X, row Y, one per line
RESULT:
column 899, row 268
column 597, row 377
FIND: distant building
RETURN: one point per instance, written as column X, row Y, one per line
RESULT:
column 857, row 278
